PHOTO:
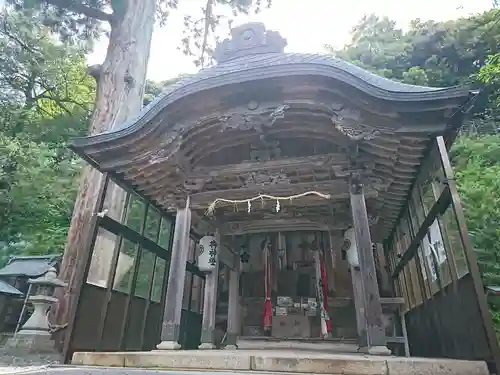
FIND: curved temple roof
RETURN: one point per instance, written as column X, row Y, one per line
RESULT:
column 401, row 114
column 265, row 59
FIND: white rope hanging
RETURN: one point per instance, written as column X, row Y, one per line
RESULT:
column 261, row 197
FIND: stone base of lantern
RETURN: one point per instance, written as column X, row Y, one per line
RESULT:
column 31, row 342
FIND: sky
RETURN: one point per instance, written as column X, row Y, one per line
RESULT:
column 306, row 24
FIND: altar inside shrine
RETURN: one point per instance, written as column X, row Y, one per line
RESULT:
column 294, row 278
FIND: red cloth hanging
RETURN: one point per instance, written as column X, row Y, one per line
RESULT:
column 268, row 305
column 268, row 313
column 324, row 282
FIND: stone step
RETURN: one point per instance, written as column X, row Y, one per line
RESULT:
column 273, row 361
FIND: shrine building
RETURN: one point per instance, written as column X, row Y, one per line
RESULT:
column 283, row 200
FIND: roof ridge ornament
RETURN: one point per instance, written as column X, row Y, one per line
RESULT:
column 249, row 39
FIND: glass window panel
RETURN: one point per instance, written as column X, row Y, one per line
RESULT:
column 401, row 276
column 424, row 268
column 431, row 178
column 146, row 268
column 125, row 266
column 455, row 241
column 427, row 195
column 152, row 224
column 158, row 279
column 416, row 206
column 392, row 266
column 416, row 214
column 165, row 233
column 135, row 213
column 433, row 245
column 417, row 288
column 402, row 288
column 405, row 243
column 115, row 202
column 409, row 286
column 413, row 271
column 102, row 258
column 431, row 248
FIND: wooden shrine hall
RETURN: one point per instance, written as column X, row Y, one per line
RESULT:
column 289, row 198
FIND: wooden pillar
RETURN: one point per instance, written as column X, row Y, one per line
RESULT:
column 359, row 305
column 331, row 256
column 175, row 288
column 210, row 303
column 375, row 331
column 233, row 311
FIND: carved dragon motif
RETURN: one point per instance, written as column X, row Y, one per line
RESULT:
column 252, row 121
column 264, row 179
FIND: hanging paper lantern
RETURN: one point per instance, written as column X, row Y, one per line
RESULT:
column 208, row 254
column 351, row 248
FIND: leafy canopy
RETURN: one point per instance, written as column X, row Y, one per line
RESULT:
column 78, row 21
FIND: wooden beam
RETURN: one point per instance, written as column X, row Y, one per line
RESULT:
column 299, row 204
column 233, row 310
column 227, row 256
column 359, row 306
column 375, row 330
column 437, row 208
column 283, row 225
column 326, row 161
column 338, row 189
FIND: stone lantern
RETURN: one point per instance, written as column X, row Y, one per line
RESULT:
column 35, row 334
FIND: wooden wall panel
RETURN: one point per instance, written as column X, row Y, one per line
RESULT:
column 449, row 325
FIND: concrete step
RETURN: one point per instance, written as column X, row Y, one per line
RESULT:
column 285, row 361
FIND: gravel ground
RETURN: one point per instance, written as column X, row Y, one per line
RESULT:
column 70, row 370
column 9, row 358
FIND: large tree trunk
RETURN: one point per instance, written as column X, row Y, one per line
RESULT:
column 120, row 91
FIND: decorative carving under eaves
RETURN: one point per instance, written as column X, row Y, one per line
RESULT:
column 344, row 114
column 265, row 151
column 348, row 121
column 356, row 132
column 196, row 184
column 254, row 179
column 166, row 150
column 361, row 167
column 379, row 184
column 252, row 121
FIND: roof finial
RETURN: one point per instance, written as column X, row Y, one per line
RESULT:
column 249, row 39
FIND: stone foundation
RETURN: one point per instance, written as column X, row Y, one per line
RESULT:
column 31, row 343
column 290, row 361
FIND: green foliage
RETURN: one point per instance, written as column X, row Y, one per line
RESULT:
column 153, row 89
column 81, row 21
column 41, row 81
column 443, row 53
column 477, row 170
column 438, row 54
column 36, row 195
column 46, row 97
column 489, row 74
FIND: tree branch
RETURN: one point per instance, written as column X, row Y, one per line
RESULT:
column 82, row 9
column 8, row 34
column 207, row 18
